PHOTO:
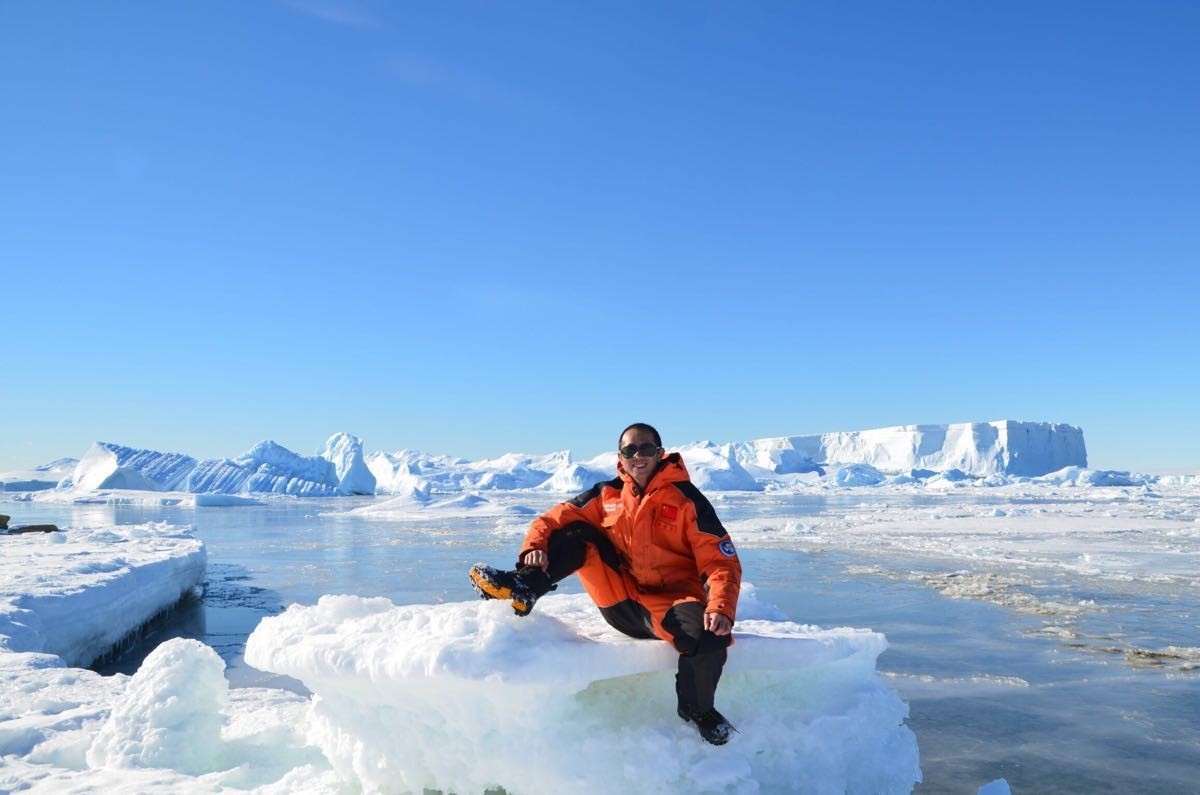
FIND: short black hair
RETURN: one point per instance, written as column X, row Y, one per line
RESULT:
column 641, row 426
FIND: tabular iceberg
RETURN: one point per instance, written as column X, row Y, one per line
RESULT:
column 1025, row 449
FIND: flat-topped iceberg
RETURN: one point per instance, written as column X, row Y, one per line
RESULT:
column 1007, row 447
column 462, row 697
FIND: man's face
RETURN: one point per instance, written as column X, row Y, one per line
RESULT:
column 641, row 467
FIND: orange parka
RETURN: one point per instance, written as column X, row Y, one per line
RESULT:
column 669, row 538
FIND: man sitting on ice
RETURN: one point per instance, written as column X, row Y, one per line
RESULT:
column 652, row 555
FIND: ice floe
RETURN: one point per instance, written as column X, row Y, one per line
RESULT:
column 457, row 697
column 75, row 593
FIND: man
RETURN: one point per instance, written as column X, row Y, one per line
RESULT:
column 655, row 559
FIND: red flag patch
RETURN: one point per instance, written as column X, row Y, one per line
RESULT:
column 669, row 512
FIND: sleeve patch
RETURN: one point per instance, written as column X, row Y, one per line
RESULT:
column 669, row 512
column 727, row 549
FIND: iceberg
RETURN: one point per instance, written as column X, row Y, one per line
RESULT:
column 267, row 468
column 113, row 466
column 976, row 448
column 455, row 697
column 774, row 456
column 406, row 470
column 399, row 472
column 716, row 468
column 575, row 477
column 346, row 454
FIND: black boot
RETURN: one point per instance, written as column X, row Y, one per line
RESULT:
column 522, row 587
column 713, row 726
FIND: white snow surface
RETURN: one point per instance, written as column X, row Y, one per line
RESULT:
column 1002, row 451
column 451, row 696
column 75, row 593
column 456, row 697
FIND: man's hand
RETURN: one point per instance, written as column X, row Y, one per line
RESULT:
column 718, row 623
column 536, row 557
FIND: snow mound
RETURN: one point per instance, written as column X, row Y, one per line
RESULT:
column 453, row 697
column 1081, row 476
column 151, row 725
column 174, row 726
column 853, row 475
column 716, row 468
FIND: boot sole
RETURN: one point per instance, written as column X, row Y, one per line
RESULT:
column 493, row 591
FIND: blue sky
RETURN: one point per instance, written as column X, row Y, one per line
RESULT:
column 472, row 228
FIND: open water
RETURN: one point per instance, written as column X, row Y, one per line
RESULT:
column 991, row 693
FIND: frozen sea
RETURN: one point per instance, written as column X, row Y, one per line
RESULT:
column 1049, row 636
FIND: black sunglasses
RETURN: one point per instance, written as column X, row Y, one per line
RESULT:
column 646, row 449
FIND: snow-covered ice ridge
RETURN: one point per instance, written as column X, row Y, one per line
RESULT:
column 267, row 468
column 1000, row 450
